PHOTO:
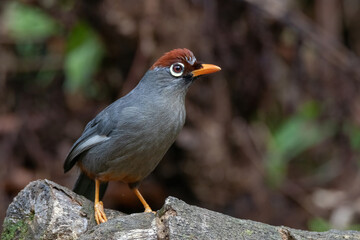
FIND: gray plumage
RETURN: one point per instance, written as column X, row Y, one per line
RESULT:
column 126, row 140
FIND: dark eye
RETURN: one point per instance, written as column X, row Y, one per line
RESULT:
column 177, row 69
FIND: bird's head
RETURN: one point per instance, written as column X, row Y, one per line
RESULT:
column 177, row 69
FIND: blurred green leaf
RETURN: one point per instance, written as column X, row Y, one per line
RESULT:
column 84, row 54
column 310, row 110
column 353, row 132
column 319, row 225
column 298, row 134
column 28, row 23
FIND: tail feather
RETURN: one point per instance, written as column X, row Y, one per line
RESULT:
column 85, row 186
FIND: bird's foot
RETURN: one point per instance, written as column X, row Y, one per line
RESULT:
column 148, row 209
column 100, row 216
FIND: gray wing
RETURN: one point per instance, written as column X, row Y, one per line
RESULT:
column 95, row 132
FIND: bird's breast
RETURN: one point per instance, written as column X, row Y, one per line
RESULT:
column 139, row 147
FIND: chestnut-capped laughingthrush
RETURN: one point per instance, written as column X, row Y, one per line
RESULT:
column 126, row 140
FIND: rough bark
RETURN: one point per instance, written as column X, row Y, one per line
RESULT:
column 46, row 210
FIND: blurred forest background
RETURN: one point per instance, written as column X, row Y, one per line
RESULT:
column 273, row 137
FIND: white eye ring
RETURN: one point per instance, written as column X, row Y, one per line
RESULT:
column 177, row 69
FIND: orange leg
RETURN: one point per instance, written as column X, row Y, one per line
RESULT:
column 100, row 216
column 142, row 200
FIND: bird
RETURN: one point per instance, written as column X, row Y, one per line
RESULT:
column 127, row 139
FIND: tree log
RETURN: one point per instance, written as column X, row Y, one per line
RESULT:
column 46, row 210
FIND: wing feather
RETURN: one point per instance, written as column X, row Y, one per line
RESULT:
column 95, row 132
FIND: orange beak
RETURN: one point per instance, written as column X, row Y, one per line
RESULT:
column 206, row 69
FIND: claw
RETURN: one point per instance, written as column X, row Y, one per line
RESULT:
column 148, row 209
column 100, row 216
